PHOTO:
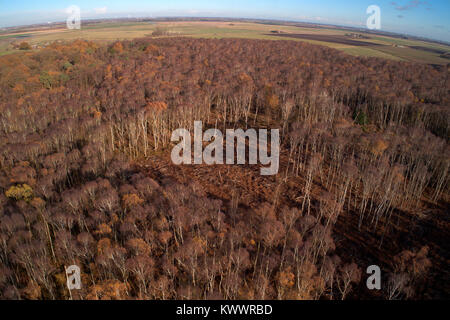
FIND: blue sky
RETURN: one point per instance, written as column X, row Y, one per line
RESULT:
column 428, row 18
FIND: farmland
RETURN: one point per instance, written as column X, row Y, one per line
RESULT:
column 354, row 43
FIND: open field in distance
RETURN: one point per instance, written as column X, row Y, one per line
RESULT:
column 354, row 43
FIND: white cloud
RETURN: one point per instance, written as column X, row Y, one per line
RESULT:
column 100, row 10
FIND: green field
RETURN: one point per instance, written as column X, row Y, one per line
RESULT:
column 383, row 46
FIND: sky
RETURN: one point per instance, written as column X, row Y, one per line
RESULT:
column 428, row 18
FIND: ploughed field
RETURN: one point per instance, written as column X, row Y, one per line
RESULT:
column 341, row 39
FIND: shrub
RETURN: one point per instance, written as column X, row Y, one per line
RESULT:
column 20, row 192
column 361, row 118
column 24, row 46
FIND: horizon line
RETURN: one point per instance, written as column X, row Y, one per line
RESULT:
column 361, row 28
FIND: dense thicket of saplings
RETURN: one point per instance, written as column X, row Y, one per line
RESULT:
column 76, row 117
